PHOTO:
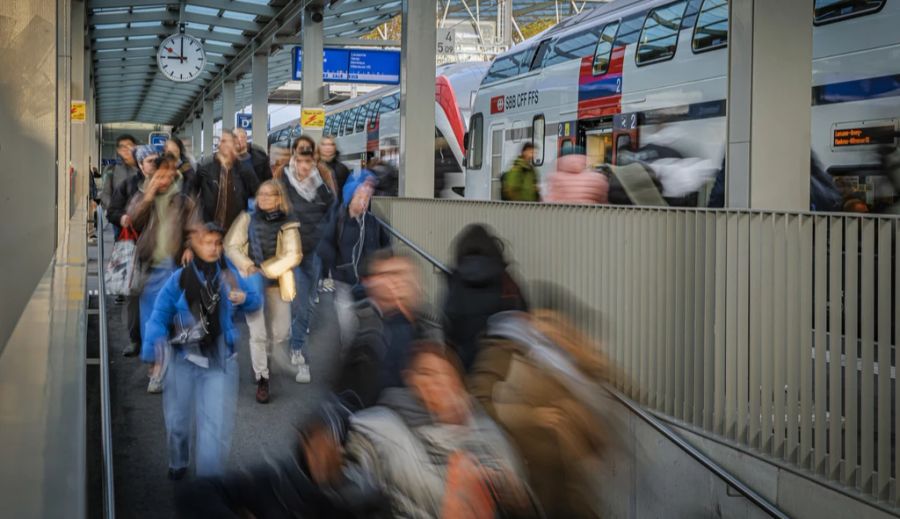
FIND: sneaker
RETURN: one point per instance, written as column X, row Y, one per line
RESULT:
column 131, row 350
column 302, row 374
column 262, row 390
column 119, row 300
column 177, row 474
column 328, row 285
column 155, row 385
column 297, row 358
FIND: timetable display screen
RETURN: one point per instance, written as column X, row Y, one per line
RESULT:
column 354, row 66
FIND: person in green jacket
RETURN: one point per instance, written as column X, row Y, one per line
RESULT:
column 520, row 182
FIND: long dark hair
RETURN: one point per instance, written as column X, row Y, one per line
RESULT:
column 182, row 154
column 479, row 240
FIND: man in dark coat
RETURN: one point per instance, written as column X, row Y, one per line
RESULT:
column 252, row 156
column 225, row 184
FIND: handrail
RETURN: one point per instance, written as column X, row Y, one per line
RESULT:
column 109, row 498
column 418, row 250
column 663, row 429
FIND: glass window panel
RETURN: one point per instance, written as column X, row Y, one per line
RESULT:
column 660, row 35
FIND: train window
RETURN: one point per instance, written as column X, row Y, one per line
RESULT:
column 573, row 46
column 540, row 54
column 476, row 142
column 351, row 118
column 391, row 103
column 711, row 31
column 503, row 68
column 630, row 30
column 604, row 48
column 660, row 35
column 538, row 130
column 339, row 123
column 363, row 115
column 829, row 11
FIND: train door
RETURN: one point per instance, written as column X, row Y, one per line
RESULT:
column 497, row 159
column 595, row 137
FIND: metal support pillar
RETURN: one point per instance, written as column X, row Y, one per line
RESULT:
column 196, row 137
column 207, row 128
column 417, row 71
column 63, row 118
column 260, row 103
column 228, row 109
column 312, row 95
column 769, row 81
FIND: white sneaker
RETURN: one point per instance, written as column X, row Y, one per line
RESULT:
column 302, row 374
column 155, row 385
column 297, row 358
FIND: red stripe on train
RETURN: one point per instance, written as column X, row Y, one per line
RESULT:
column 446, row 99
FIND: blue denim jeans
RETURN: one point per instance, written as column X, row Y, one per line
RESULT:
column 306, row 276
column 203, row 400
column 156, row 279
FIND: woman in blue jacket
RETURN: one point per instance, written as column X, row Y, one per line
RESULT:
column 194, row 312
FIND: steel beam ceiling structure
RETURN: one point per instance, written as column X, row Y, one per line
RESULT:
column 126, row 34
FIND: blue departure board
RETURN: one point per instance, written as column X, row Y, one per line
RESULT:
column 354, row 66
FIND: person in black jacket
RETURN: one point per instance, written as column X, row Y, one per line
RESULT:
column 252, row 156
column 357, row 234
column 225, row 185
column 479, row 287
column 312, row 203
column 331, row 156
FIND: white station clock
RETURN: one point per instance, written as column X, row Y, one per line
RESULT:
column 181, row 57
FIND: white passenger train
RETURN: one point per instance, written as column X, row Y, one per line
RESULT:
column 639, row 79
column 369, row 125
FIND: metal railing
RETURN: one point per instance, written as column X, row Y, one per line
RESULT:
column 662, row 428
column 774, row 331
column 109, row 498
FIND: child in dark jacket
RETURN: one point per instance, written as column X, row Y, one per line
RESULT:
column 194, row 314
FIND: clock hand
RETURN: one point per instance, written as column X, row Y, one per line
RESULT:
column 182, row 49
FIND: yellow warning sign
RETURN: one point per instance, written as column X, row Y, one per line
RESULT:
column 312, row 118
column 78, row 111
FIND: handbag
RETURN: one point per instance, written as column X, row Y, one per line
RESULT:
column 120, row 270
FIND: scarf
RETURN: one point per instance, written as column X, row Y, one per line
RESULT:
column 201, row 283
column 306, row 188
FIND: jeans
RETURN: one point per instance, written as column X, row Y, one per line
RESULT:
column 203, row 400
column 156, row 279
column 270, row 326
column 306, row 276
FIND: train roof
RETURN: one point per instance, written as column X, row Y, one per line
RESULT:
column 588, row 17
column 451, row 71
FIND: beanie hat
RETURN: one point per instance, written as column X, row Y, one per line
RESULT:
column 142, row 152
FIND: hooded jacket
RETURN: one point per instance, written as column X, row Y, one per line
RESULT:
column 574, row 183
column 478, row 288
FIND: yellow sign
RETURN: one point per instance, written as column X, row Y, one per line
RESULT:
column 78, row 111
column 312, row 118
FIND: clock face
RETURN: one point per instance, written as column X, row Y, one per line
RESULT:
column 181, row 58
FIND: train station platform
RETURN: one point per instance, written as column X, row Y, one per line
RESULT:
column 751, row 345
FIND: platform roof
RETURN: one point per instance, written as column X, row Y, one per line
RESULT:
column 125, row 36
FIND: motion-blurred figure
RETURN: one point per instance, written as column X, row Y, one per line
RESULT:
column 539, row 377
column 267, row 241
column 124, row 168
column 193, row 315
column 479, row 287
column 186, row 165
column 520, row 183
column 225, row 185
column 252, row 156
column 574, row 183
column 331, row 157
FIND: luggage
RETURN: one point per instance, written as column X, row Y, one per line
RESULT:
column 120, row 271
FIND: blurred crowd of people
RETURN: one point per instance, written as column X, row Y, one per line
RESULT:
column 485, row 406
